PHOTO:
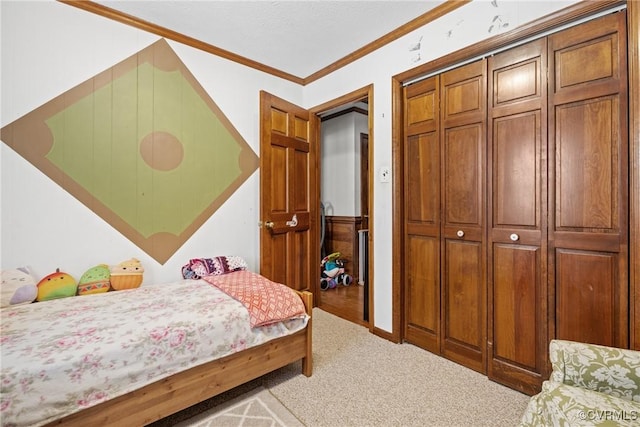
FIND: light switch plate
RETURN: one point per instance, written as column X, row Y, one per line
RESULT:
column 385, row 174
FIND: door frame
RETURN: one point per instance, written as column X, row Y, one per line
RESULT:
column 545, row 24
column 356, row 95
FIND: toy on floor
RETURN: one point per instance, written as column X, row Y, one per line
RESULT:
column 332, row 272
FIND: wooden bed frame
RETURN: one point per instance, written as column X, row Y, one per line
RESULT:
column 184, row 389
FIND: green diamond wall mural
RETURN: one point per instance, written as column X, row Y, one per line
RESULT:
column 142, row 145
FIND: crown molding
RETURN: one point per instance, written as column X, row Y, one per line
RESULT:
column 115, row 15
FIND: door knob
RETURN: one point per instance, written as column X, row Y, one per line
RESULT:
column 514, row 237
column 460, row 233
column 269, row 225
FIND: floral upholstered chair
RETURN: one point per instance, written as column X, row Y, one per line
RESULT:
column 589, row 385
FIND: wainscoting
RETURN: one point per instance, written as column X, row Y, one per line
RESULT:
column 342, row 236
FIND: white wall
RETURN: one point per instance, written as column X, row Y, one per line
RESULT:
column 340, row 161
column 48, row 47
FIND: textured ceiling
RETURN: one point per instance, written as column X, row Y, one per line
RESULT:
column 298, row 37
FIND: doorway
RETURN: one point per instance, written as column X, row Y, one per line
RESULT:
column 345, row 199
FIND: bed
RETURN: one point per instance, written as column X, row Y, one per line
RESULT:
column 135, row 356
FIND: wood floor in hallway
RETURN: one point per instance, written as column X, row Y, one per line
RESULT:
column 346, row 302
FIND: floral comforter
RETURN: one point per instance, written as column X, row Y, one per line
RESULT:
column 64, row 355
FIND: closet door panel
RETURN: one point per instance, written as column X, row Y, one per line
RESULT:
column 464, row 304
column 422, row 108
column 586, row 296
column 517, row 210
column 587, row 58
column 422, row 215
column 423, row 167
column 423, row 292
column 590, row 205
column 517, row 79
column 463, row 148
column 587, row 150
column 516, row 82
column 515, row 275
column 588, row 212
column 516, row 170
column 464, row 95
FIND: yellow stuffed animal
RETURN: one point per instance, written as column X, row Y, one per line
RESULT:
column 126, row 275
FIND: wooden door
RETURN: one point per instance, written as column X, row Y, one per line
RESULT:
column 364, row 181
column 422, row 214
column 517, row 212
column 289, row 251
column 463, row 224
column 588, row 163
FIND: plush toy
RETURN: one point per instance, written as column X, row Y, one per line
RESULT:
column 126, row 275
column 56, row 285
column 332, row 272
column 18, row 287
column 198, row 268
column 95, row 280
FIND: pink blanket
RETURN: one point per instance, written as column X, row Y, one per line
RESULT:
column 267, row 301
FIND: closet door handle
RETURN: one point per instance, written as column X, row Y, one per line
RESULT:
column 514, row 237
column 460, row 233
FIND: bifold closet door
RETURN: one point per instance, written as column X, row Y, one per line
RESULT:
column 445, row 253
column 422, row 214
column 588, row 164
column 517, row 203
column 463, row 251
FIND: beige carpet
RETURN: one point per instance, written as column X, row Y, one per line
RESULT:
column 256, row 408
column 360, row 379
